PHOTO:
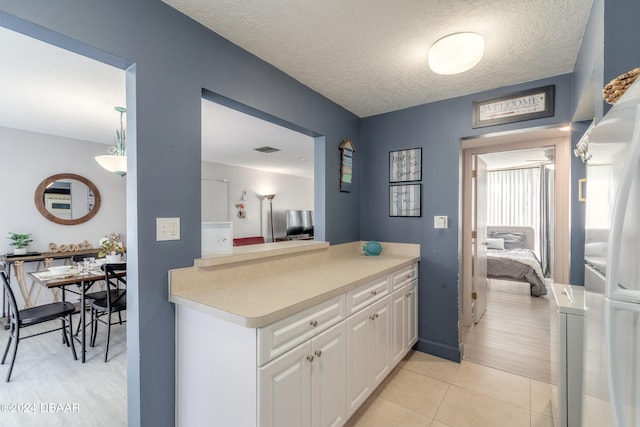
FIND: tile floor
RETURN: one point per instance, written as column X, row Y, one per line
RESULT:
column 426, row 391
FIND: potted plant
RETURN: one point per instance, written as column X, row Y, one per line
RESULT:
column 20, row 242
column 111, row 248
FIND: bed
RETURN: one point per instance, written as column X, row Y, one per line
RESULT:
column 510, row 256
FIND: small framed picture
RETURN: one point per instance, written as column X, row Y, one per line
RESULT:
column 405, row 165
column 404, row 200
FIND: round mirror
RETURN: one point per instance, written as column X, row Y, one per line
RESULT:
column 67, row 199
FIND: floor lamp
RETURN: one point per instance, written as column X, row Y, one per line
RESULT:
column 270, row 197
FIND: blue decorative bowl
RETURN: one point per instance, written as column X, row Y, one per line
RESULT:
column 372, row 248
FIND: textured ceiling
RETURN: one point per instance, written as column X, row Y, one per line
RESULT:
column 370, row 56
column 53, row 91
column 46, row 89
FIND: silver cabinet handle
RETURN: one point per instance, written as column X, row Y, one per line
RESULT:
column 310, row 358
column 408, row 295
column 318, row 353
column 373, row 316
column 374, row 292
column 314, row 323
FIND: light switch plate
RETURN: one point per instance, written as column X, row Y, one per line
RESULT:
column 440, row 221
column 167, row 229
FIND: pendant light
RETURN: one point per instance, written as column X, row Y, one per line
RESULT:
column 116, row 160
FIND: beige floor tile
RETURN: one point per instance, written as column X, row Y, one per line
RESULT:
column 438, row 424
column 494, row 383
column 541, row 397
column 413, row 391
column 464, row 408
column 541, row 420
column 431, row 366
column 377, row 412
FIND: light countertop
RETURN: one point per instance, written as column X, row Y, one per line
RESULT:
column 254, row 290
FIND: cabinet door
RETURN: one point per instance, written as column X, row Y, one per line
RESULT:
column 412, row 314
column 358, row 359
column 285, row 389
column 380, row 340
column 328, row 369
column 399, row 324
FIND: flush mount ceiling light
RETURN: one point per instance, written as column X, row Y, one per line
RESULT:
column 456, row 53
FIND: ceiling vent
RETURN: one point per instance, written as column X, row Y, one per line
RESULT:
column 267, row 149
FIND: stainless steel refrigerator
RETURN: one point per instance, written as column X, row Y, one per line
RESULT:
column 611, row 374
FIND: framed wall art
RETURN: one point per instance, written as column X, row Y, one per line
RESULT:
column 405, row 165
column 346, row 165
column 404, row 200
column 515, row 107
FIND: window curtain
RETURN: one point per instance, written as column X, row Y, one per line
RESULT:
column 523, row 197
column 514, row 197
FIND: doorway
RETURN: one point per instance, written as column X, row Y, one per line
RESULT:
column 556, row 144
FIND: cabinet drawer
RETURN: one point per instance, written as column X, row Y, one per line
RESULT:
column 359, row 298
column 283, row 335
column 404, row 276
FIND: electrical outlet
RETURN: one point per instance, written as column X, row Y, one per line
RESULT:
column 167, row 229
column 440, row 222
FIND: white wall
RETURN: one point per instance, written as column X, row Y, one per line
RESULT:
column 291, row 193
column 27, row 159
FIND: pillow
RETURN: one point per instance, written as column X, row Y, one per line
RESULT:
column 493, row 243
column 512, row 239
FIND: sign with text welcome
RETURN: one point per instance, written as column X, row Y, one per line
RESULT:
column 518, row 106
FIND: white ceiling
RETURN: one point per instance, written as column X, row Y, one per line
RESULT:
column 367, row 55
column 230, row 137
column 519, row 158
column 50, row 90
column 370, row 56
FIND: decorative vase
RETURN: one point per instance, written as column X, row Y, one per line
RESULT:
column 372, row 248
column 113, row 258
column 19, row 251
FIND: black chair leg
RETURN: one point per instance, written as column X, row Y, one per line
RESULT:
column 6, row 350
column 13, row 356
column 106, row 349
column 73, row 347
column 64, row 332
column 94, row 326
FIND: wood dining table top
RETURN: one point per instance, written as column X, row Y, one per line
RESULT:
column 51, row 280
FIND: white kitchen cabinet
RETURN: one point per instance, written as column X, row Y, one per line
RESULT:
column 285, row 389
column 381, row 340
column 404, row 276
column 404, row 327
column 368, row 350
column 275, row 339
column 314, row 367
column 306, row 386
column 412, row 314
column 364, row 295
column 328, row 376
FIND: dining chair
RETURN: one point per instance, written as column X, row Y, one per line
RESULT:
column 90, row 295
column 114, row 301
column 19, row 319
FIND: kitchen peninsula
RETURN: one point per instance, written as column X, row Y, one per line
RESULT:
column 290, row 333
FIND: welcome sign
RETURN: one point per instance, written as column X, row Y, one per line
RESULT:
column 518, row 106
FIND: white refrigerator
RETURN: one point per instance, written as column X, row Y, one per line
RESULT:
column 611, row 373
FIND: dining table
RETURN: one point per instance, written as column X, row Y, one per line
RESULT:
column 74, row 282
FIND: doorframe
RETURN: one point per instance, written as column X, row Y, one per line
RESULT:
column 542, row 137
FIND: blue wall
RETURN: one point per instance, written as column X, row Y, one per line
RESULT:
column 175, row 58
column 578, row 171
column 437, row 128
